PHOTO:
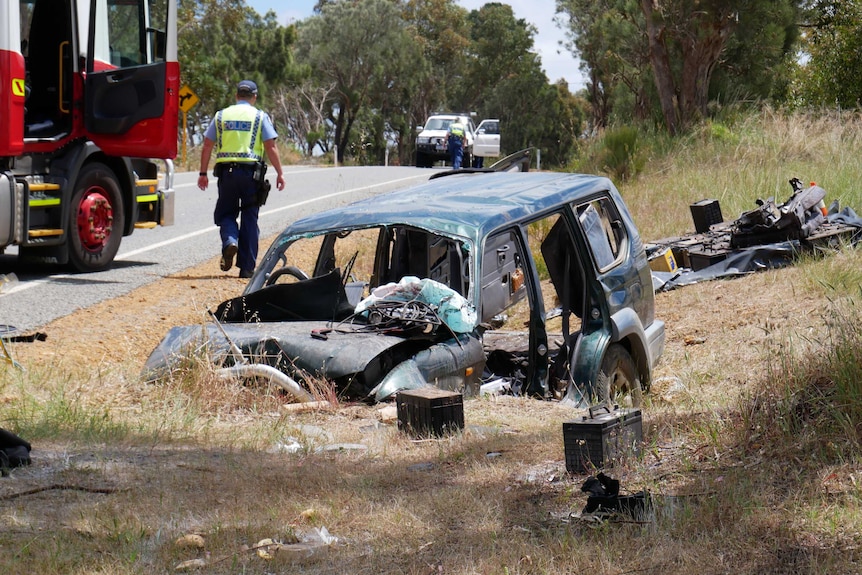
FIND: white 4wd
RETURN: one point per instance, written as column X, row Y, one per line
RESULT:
column 432, row 145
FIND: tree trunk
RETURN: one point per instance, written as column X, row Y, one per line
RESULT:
column 599, row 99
column 660, row 62
column 700, row 53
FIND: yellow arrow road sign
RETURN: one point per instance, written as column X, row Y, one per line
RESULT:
column 188, row 99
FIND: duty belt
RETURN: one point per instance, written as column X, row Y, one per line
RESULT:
column 237, row 165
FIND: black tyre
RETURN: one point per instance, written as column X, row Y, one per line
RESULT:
column 619, row 382
column 422, row 160
column 96, row 218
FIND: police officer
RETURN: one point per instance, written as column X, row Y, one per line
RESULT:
column 241, row 134
column 456, row 141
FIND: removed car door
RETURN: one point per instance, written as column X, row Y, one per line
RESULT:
column 487, row 143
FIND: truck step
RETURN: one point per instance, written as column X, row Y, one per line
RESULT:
column 45, row 233
column 43, row 187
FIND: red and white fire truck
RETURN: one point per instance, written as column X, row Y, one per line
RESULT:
column 88, row 114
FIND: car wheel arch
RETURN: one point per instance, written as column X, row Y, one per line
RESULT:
column 627, row 330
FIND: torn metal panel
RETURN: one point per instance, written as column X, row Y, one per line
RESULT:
column 358, row 359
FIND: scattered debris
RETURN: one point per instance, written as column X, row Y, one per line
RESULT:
column 769, row 236
column 340, row 447
column 302, row 407
column 308, row 543
column 605, row 502
column 388, row 413
column 7, row 282
column 268, row 548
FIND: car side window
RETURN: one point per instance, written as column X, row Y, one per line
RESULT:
column 604, row 231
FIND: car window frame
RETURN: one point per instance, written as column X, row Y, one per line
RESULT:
column 611, row 222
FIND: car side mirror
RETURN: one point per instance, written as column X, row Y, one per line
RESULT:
column 420, row 128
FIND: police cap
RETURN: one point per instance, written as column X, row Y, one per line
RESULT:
column 246, row 87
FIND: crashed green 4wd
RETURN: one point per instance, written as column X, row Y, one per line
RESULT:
column 545, row 273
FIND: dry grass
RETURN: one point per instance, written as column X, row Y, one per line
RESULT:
column 752, row 463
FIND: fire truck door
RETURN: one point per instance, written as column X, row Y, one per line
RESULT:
column 132, row 81
column 11, row 80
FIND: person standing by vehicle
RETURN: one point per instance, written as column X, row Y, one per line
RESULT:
column 241, row 134
column 456, row 140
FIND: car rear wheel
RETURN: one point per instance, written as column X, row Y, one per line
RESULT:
column 619, row 382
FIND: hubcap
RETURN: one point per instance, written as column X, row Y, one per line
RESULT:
column 95, row 220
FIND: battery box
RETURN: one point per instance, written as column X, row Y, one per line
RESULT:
column 663, row 261
column 700, row 260
column 603, row 438
column 705, row 213
column 429, row 411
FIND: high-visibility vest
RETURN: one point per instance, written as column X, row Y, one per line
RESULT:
column 238, row 134
column 456, row 129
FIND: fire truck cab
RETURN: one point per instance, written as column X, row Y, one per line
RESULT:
column 88, row 112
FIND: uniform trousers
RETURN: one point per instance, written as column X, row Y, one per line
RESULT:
column 237, row 200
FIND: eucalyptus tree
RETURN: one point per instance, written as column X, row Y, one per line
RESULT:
column 501, row 46
column 682, row 43
column 221, row 42
column 363, row 48
column 832, row 74
column 441, row 30
column 505, row 80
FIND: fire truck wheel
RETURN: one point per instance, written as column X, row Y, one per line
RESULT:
column 618, row 378
column 95, row 220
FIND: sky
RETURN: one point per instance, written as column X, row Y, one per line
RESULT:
column 557, row 62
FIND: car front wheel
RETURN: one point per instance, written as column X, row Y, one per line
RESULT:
column 619, row 382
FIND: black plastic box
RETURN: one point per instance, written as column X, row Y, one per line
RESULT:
column 429, row 411
column 705, row 213
column 602, row 438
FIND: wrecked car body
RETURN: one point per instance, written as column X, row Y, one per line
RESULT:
column 533, row 282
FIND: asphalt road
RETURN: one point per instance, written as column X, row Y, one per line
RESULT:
column 45, row 293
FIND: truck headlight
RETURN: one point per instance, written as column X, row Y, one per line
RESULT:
column 422, row 140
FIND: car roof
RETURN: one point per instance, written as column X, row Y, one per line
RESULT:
column 467, row 205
